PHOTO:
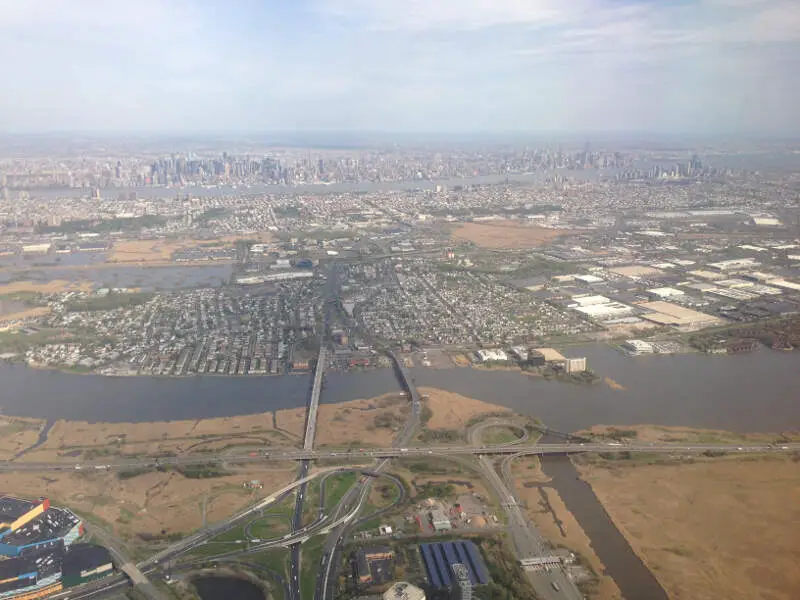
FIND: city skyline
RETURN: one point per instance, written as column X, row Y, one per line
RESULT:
column 702, row 66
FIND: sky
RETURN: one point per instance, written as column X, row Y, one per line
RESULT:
column 729, row 67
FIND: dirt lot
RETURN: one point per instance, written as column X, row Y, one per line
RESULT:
column 453, row 411
column 506, row 235
column 712, row 530
column 153, row 503
column 50, row 287
column 145, row 251
column 160, row 251
column 16, row 434
column 548, row 511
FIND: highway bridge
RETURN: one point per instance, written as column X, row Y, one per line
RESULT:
column 313, row 403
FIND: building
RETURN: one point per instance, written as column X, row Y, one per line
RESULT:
column 373, row 565
column 36, row 248
column 404, row 591
column 492, row 356
column 438, row 559
column 536, row 358
column 29, row 527
column 637, row 347
column 665, row 292
column 439, row 520
column 31, row 576
column 84, row 563
column 550, row 354
column 461, row 588
column 575, row 365
column 734, row 264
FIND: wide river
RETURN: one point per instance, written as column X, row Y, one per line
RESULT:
column 748, row 392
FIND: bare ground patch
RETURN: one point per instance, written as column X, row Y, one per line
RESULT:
column 507, row 235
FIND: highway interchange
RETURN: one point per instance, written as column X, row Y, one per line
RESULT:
column 359, row 455
column 372, row 463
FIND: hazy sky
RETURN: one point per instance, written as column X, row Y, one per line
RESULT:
column 704, row 66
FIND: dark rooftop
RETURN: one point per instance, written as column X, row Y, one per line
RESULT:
column 53, row 523
column 84, row 557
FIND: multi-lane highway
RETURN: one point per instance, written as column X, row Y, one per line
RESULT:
column 331, row 555
column 347, row 455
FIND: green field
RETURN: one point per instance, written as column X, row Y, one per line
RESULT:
column 336, row 487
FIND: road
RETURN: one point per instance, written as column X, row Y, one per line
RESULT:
column 551, row 583
column 311, row 429
column 331, row 556
column 395, row 451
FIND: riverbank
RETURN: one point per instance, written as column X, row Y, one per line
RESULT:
column 365, row 422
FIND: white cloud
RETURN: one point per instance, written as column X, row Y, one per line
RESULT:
column 428, row 15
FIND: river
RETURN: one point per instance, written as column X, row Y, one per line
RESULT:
column 747, row 392
column 622, row 564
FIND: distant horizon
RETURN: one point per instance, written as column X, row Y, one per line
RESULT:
column 292, row 138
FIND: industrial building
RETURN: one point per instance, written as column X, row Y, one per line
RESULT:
column 52, row 570
column 41, row 558
column 373, row 565
column 491, row 355
column 575, row 365
column 31, row 576
column 28, row 527
column 637, row 347
column 439, row 559
column 403, row 591
column 84, row 563
column 439, row 520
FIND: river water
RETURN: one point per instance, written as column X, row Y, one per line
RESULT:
column 622, row 564
column 747, row 392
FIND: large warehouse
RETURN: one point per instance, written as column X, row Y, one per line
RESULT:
column 38, row 555
column 440, row 557
column 28, row 527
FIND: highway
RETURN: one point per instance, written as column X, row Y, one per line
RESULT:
column 345, row 455
column 331, row 556
column 313, row 403
column 551, row 583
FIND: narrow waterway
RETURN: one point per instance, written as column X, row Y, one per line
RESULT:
column 635, row 580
